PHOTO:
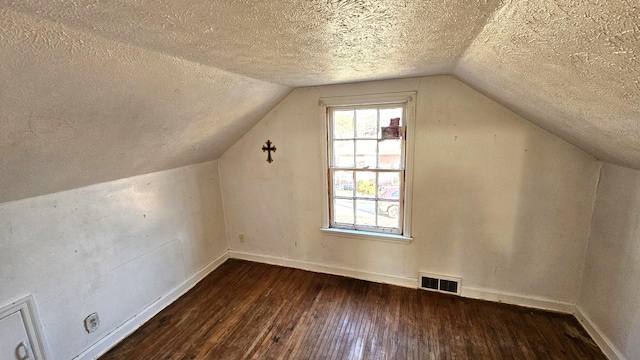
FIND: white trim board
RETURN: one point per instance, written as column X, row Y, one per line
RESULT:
column 607, row 347
column 470, row 292
column 121, row 332
column 531, row 301
column 327, row 269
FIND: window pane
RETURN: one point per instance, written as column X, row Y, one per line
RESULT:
column 343, row 183
column 343, row 153
column 388, row 114
column 366, row 153
column 389, row 192
column 343, row 211
column 386, row 179
column 390, row 126
column 367, row 123
column 366, row 212
column 390, row 154
column 389, row 214
column 343, row 124
column 366, row 184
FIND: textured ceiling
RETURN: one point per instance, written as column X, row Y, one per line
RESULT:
column 572, row 67
column 291, row 42
column 94, row 90
column 76, row 109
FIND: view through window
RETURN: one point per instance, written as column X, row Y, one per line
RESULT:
column 367, row 167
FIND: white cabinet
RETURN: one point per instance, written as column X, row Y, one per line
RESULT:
column 20, row 338
column 14, row 340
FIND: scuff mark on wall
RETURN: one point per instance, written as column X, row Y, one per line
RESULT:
column 52, row 129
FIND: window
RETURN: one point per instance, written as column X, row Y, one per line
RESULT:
column 367, row 161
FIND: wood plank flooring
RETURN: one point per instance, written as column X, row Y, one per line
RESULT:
column 246, row 310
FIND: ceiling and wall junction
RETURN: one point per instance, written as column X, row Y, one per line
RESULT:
column 96, row 90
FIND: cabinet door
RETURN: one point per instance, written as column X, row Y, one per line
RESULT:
column 14, row 341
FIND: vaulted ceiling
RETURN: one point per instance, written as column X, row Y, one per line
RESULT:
column 96, row 90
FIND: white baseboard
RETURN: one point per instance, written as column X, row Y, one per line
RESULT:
column 476, row 293
column 327, row 269
column 598, row 336
column 124, row 330
column 120, row 333
column 532, row 301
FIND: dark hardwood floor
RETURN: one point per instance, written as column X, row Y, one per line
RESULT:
column 246, row 310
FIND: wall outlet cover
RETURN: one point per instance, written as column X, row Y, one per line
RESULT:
column 92, row 322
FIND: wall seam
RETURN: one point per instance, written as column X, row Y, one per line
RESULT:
column 586, row 245
column 224, row 211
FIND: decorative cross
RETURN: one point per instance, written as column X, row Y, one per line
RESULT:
column 269, row 148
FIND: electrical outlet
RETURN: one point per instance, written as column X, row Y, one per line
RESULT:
column 92, row 322
column 241, row 237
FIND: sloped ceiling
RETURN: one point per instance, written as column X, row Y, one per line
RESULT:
column 570, row 66
column 94, row 90
column 78, row 109
column 291, row 42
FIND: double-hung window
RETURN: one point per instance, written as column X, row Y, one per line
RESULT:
column 367, row 163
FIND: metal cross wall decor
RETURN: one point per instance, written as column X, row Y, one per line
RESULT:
column 269, row 149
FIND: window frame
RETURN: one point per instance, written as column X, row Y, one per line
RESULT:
column 408, row 100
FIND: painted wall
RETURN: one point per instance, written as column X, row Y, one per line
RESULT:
column 497, row 200
column 112, row 248
column 610, row 293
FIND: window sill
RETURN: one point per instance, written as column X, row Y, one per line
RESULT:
column 396, row 239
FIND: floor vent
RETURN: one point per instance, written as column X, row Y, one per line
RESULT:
column 440, row 283
column 430, row 283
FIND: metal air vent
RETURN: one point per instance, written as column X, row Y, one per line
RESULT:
column 440, row 283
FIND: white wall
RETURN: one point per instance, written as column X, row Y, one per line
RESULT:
column 112, row 248
column 497, row 200
column 610, row 294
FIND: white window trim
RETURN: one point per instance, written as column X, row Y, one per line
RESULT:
column 409, row 98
